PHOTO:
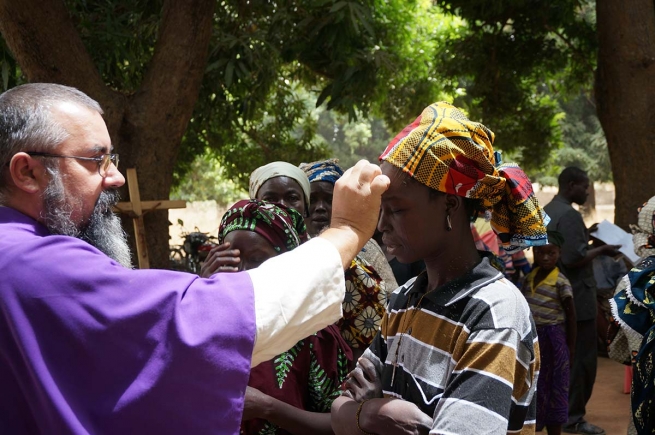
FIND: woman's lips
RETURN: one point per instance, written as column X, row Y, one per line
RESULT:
column 391, row 248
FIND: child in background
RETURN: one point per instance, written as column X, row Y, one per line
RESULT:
column 550, row 297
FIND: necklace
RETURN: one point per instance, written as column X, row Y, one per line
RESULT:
column 406, row 328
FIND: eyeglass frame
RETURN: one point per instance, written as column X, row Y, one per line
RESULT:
column 111, row 158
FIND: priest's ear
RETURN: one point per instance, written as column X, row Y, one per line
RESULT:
column 27, row 173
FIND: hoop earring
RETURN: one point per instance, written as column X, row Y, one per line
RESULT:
column 449, row 225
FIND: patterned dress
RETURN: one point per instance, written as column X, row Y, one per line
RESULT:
column 364, row 304
column 307, row 376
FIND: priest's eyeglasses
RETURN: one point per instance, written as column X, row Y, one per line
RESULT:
column 104, row 161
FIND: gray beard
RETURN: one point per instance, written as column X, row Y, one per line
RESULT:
column 103, row 229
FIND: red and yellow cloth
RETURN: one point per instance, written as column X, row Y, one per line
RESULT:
column 445, row 151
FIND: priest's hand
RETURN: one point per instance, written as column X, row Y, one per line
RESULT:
column 221, row 259
column 363, row 383
column 355, row 209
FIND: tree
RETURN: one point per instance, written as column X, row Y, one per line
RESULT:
column 42, row 37
column 625, row 91
column 175, row 77
column 513, row 61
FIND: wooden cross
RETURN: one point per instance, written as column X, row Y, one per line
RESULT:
column 136, row 209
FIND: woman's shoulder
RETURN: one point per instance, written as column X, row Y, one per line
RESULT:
column 504, row 305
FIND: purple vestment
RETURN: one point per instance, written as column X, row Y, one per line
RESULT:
column 87, row 346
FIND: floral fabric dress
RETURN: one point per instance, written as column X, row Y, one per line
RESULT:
column 307, row 376
column 364, row 304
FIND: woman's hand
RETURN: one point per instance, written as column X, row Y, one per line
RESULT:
column 394, row 417
column 363, row 382
column 221, row 259
column 255, row 404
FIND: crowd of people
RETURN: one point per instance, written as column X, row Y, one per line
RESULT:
column 390, row 299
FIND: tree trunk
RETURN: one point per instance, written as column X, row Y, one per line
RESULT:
column 147, row 127
column 625, row 92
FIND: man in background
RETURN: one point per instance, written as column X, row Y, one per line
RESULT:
column 576, row 263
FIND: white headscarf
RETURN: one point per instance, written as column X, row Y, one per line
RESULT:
column 278, row 169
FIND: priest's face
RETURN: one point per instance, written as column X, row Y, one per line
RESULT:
column 87, row 137
column 78, row 199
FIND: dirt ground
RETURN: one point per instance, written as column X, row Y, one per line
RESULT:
column 609, row 406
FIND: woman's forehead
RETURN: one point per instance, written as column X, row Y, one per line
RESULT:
column 401, row 182
column 280, row 185
column 245, row 239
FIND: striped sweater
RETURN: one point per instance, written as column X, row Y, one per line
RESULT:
column 468, row 355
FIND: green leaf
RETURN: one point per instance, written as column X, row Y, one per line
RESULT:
column 229, row 72
column 338, row 6
column 324, row 94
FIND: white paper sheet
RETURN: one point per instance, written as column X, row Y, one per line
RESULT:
column 612, row 234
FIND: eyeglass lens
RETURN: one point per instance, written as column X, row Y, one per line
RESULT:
column 108, row 159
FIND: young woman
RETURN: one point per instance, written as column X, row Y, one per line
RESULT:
column 457, row 351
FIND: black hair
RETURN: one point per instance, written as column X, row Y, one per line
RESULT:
column 472, row 206
column 571, row 174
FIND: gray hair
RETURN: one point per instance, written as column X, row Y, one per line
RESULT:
column 27, row 124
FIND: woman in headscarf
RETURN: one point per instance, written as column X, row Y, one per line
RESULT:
column 631, row 337
column 277, row 182
column 369, row 279
column 292, row 393
column 281, row 183
column 457, row 351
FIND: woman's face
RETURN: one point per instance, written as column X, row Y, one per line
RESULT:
column 254, row 248
column 412, row 222
column 320, row 207
column 285, row 191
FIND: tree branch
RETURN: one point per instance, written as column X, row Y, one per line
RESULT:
column 256, row 138
column 170, row 87
column 48, row 48
column 573, row 48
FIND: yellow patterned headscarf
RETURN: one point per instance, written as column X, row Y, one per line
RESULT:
column 445, row 151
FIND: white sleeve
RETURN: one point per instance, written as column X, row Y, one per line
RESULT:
column 296, row 294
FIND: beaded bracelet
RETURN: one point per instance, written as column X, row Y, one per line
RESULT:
column 359, row 410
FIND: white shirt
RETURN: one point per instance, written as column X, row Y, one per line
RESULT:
column 296, row 294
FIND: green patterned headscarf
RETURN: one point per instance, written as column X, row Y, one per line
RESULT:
column 283, row 227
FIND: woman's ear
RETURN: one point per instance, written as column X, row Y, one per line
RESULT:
column 27, row 174
column 453, row 203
